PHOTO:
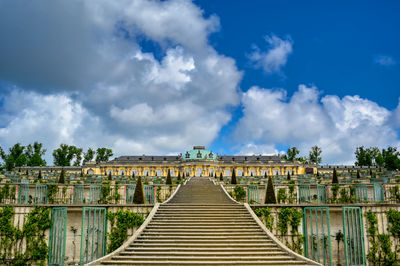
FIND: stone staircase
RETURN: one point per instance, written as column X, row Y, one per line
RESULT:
column 201, row 225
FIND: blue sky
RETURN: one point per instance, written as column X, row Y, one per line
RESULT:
column 157, row 77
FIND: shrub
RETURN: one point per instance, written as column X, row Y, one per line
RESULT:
column 109, row 176
column 221, row 177
column 288, row 175
column 334, row 177
column 179, row 175
column 169, row 179
column 270, row 194
column 240, row 193
column 138, row 196
column 40, row 174
column 61, row 180
column 233, row 179
column 358, row 174
column 282, row 195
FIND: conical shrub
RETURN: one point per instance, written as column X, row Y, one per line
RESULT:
column 169, row 179
column 233, row 178
column 40, row 174
column 288, row 176
column 334, row 177
column 221, row 178
column 61, row 180
column 109, row 176
column 138, row 196
column 358, row 174
column 270, row 193
column 179, row 176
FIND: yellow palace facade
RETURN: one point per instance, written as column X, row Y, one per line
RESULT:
column 199, row 162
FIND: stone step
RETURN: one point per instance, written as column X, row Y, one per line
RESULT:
column 197, row 253
column 195, row 262
column 207, row 222
column 202, row 239
column 227, row 233
column 201, row 226
column 266, row 244
column 224, row 248
column 211, row 219
column 204, row 231
column 200, row 258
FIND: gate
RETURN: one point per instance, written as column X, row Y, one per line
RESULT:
column 317, row 234
column 130, row 191
column 40, row 194
column 353, row 236
column 94, row 232
column 23, row 193
column 378, row 193
column 79, row 196
column 322, row 194
column 304, row 194
column 94, row 194
column 360, row 192
column 149, row 194
column 252, row 194
column 58, row 235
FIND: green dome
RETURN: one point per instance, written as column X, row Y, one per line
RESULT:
column 199, row 153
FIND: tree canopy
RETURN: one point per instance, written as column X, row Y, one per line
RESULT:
column 103, row 154
column 315, row 155
column 66, row 155
column 388, row 158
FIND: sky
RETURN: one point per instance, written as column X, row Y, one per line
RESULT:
column 240, row 77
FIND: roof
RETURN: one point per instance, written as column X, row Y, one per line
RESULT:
column 147, row 158
column 251, row 158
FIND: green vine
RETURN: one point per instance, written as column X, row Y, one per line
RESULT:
column 265, row 217
column 380, row 252
column 32, row 234
column 120, row 222
column 52, row 190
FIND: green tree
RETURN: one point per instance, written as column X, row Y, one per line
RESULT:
column 109, row 176
column 40, row 174
column 270, row 193
column 221, row 177
column 358, row 174
column 363, row 157
column 89, row 155
column 334, row 177
column 103, row 154
column 233, row 177
column 288, row 175
column 291, row 154
column 66, row 155
column 15, row 158
column 315, row 155
column 138, row 196
column 169, row 179
column 391, row 158
column 34, row 154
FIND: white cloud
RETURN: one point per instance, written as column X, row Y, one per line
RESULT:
column 276, row 56
column 338, row 125
column 385, row 60
column 90, row 57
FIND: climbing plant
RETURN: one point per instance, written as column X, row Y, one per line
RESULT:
column 239, row 193
column 120, row 222
column 32, row 234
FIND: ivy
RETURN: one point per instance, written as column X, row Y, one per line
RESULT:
column 120, row 222
column 52, row 190
column 380, row 252
column 32, row 234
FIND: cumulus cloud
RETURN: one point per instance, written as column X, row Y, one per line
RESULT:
column 338, row 125
column 90, row 58
column 385, row 60
column 275, row 57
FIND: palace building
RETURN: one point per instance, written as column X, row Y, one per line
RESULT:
column 199, row 162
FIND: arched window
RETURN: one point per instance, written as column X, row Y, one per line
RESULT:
column 146, row 172
column 199, row 171
column 289, row 171
column 252, row 172
column 227, row 172
column 240, row 172
column 122, row 172
column 171, row 172
column 109, row 171
column 211, row 171
column 187, row 171
column 90, row 172
column 276, row 171
column 158, row 172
